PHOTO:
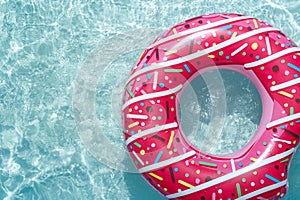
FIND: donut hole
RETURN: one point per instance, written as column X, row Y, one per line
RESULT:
column 220, row 111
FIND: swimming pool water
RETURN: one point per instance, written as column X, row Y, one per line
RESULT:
column 43, row 46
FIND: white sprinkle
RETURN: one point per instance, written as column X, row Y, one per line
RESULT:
column 268, row 46
column 239, row 49
column 155, row 80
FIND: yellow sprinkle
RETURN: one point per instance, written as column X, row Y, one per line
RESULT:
column 273, row 82
column 225, row 165
column 185, row 184
column 156, row 176
column 254, row 46
column 170, row 52
column 165, row 189
column 198, row 171
column 214, row 44
column 294, row 142
column 141, row 55
column 286, row 105
column 193, row 23
column 170, row 152
column 233, row 35
column 255, row 23
column 211, row 56
column 133, row 124
column 130, row 109
column 253, row 159
column 142, row 152
column 170, row 140
column 248, row 21
column 154, row 63
column 286, row 94
column 298, row 54
column 174, row 30
column 278, row 193
column 172, row 109
column 139, row 130
column 255, row 172
column 192, row 162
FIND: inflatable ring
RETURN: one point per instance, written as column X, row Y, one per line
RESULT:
column 152, row 130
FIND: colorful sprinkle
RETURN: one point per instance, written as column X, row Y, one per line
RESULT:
column 133, row 124
column 294, row 67
column 286, row 94
column 272, row 178
column 238, row 189
column 158, row 156
column 173, row 70
column 137, row 144
column 130, row 92
column 226, row 27
column 187, row 68
column 156, row 176
column 185, row 184
column 254, row 46
column 208, row 164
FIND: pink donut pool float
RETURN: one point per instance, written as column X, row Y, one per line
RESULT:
column 153, row 134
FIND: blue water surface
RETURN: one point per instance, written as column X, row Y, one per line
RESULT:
column 43, row 44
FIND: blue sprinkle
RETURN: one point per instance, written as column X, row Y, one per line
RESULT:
column 161, row 85
column 176, row 169
column 148, row 76
column 227, row 57
column 145, row 64
column 187, row 68
column 229, row 32
column 186, row 43
column 142, row 104
column 226, row 27
column 296, row 75
column 298, row 121
column 294, row 67
column 257, row 57
column 130, row 147
column 272, row 178
column 282, row 126
column 240, row 164
column 132, row 132
column 288, row 44
column 158, row 157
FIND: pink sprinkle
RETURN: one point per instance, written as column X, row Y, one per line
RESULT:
column 187, row 163
column 269, row 77
column 286, row 72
